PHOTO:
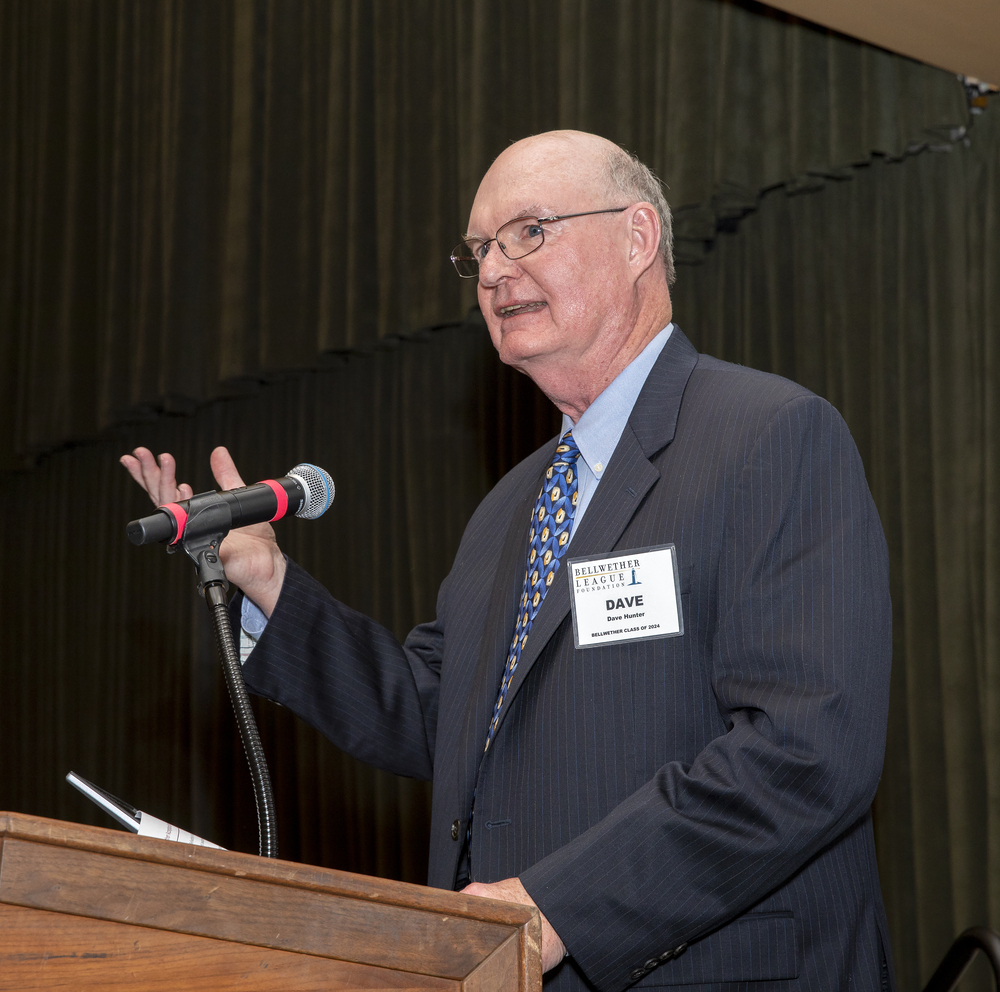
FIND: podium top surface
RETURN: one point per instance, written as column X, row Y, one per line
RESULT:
column 110, row 875
column 119, row 843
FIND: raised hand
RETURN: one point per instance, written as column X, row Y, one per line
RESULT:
column 158, row 478
column 251, row 556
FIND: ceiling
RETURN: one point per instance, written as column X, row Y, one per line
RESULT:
column 962, row 36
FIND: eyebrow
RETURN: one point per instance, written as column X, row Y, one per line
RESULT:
column 532, row 210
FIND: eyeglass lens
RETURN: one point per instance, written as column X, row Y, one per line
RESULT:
column 520, row 237
column 516, row 239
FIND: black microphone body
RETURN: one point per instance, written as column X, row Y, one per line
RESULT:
column 306, row 491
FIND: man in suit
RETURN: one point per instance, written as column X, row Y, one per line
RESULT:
column 689, row 808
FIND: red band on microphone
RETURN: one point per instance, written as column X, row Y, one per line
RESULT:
column 180, row 518
column 281, row 496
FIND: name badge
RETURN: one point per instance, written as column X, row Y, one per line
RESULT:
column 628, row 596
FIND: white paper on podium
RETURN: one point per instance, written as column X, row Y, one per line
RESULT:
column 150, row 826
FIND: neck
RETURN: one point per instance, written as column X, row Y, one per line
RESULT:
column 572, row 385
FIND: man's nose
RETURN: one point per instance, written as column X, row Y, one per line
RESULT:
column 495, row 266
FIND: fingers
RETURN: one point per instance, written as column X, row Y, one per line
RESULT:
column 159, row 476
column 141, row 465
column 511, row 890
column 168, row 477
column 159, row 479
column 169, row 486
column 224, row 469
column 131, row 463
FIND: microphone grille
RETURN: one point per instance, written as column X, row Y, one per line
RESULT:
column 319, row 489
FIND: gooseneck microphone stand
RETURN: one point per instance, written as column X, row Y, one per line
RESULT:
column 203, row 550
column 197, row 526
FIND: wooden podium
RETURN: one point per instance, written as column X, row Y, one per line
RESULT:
column 86, row 908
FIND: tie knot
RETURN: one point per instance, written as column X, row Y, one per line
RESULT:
column 567, row 449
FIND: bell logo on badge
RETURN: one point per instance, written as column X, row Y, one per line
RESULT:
column 628, row 596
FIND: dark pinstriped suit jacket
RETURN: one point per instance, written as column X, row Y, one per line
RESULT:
column 709, row 790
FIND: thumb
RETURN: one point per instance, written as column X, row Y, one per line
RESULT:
column 224, row 469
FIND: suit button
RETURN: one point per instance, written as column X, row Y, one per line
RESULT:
column 454, row 829
column 680, row 949
column 666, row 956
column 637, row 974
column 651, row 964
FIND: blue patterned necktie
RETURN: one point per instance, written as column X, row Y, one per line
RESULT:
column 551, row 523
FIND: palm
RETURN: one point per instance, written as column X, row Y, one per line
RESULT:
column 249, row 554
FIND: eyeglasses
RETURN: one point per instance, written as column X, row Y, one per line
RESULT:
column 517, row 238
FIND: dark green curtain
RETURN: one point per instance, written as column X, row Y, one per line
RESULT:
column 225, row 223
column 195, row 194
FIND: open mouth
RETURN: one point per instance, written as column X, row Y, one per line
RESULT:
column 519, row 308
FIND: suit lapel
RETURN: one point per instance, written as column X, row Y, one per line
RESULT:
column 628, row 478
column 612, row 507
column 626, row 481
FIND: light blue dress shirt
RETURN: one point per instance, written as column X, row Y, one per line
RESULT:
column 596, row 433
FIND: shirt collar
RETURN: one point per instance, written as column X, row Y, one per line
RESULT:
column 597, row 432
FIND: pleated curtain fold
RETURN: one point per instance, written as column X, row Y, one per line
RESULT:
column 198, row 196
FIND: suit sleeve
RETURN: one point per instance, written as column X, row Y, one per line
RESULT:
column 350, row 678
column 799, row 668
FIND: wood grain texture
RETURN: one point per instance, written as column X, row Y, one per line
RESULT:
column 499, row 971
column 123, row 890
column 83, row 905
column 43, row 950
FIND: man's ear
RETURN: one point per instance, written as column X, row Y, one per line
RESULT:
column 644, row 238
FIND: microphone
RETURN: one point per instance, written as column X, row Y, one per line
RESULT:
column 307, row 491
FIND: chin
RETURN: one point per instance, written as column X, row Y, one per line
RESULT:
column 521, row 346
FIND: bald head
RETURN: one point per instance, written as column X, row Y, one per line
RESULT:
column 575, row 311
column 566, row 163
column 578, row 156
column 601, row 166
